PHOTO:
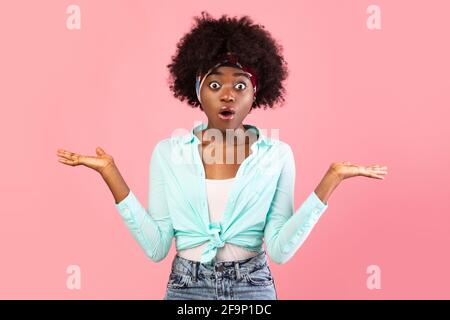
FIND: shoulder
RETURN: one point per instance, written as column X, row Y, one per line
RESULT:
column 276, row 151
column 169, row 148
column 166, row 144
column 270, row 139
column 278, row 145
column 164, row 147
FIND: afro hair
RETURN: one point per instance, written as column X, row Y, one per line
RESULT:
column 198, row 51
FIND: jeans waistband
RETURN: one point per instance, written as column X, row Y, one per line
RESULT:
column 192, row 268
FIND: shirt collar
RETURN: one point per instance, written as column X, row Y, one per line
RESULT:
column 191, row 137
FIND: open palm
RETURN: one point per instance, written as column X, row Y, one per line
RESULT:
column 347, row 169
column 98, row 163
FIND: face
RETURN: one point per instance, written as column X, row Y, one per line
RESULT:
column 226, row 87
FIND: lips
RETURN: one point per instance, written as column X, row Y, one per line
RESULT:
column 226, row 113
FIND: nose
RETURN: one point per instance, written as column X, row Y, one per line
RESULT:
column 227, row 95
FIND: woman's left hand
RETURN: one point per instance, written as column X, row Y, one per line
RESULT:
column 347, row 169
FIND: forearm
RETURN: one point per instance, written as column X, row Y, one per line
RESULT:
column 284, row 238
column 115, row 182
column 327, row 185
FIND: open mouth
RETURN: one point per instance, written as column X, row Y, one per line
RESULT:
column 226, row 114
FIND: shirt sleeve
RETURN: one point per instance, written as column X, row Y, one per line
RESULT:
column 285, row 231
column 152, row 229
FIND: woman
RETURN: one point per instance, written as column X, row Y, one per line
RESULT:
column 223, row 187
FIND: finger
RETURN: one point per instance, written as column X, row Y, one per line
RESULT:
column 376, row 176
column 69, row 155
column 378, row 166
column 380, row 174
column 65, row 161
column 74, row 159
column 99, row 151
column 63, row 152
column 369, row 172
column 378, row 169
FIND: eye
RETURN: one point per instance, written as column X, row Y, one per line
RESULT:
column 242, row 86
column 214, row 85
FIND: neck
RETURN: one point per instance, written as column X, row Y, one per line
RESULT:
column 239, row 134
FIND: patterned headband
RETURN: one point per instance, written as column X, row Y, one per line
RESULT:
column 230, row 60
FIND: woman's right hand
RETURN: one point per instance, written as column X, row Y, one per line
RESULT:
column 99, row 163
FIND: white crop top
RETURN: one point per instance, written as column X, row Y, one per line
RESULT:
column 217, row 193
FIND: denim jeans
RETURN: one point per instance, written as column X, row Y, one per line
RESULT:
column 249, row 279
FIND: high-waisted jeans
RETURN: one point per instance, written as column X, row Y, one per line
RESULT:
column 249, row 279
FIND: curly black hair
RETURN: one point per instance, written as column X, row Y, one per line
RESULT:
column 198, row 51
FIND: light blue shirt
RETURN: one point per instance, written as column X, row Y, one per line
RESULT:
column 260, row 204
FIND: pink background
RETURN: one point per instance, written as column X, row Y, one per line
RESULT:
column 367, row 96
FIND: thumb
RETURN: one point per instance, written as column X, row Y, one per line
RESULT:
column 99, row 151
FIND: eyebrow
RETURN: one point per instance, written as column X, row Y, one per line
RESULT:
column 234, row 74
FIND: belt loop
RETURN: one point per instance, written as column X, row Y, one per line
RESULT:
column 238, row 273
column 194, row 271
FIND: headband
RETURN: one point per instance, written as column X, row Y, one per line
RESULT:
column 229, row 59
